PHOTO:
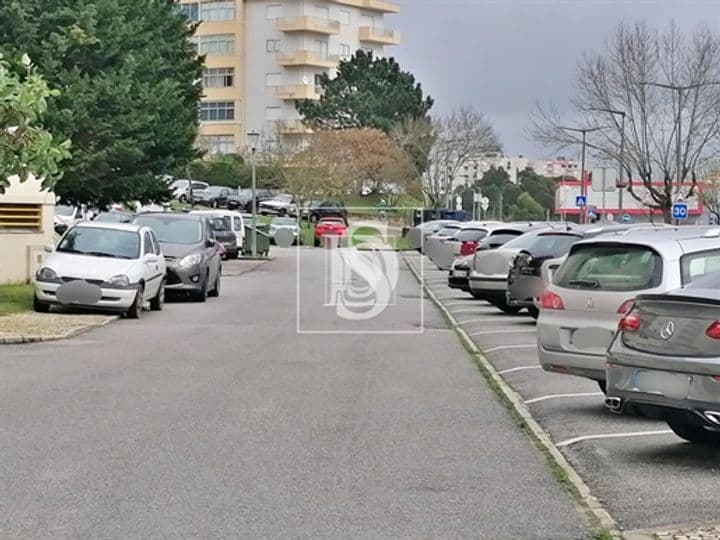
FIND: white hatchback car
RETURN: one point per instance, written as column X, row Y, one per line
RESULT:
column 598, row 282
column 106, row 266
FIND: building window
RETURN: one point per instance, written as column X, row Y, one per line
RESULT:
column 272, row 45
column 321, row 47
column 216, row 44
column 191, row 11
column 217, row 11
column 218, row 77
column 272, row 113
column 273, row 11
column 26, row 217
column 217, row 144
column 213, row 111
column 345, row 51
column 273, row 79
column 345, row 17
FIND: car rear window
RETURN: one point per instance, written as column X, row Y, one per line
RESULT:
column 447, row 231
column 698, row 265
column 470, row 235
column 611, row 267
column 552, row 244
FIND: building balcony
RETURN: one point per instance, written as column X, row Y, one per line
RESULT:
column 298, row 91
column 307, row 58
column 372, row 5
column 308, row 24
column 292, row 127
column 369, row 34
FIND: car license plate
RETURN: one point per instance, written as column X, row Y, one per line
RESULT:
column 670, row 385
column 460, row 273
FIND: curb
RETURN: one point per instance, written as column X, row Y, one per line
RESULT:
column 515, row 400
column 15, row 340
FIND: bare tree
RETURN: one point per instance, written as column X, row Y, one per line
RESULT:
column 459, row 137
column 665, row 84
column 710, row 194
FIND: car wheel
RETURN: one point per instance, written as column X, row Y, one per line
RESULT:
column 313, row 218
column 283, row 211
column 503, row 306
column 215, row 292
column 40, row 307
column 202, row 294
column 182, row 199
column 476, row 295
column 214, row 204
column 135, row 310
column 316, row 242
column 694, row 434
column 534, row 312
column 603, row 386
column 158, row 303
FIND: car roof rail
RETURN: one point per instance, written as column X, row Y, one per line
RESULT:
column 712, row 233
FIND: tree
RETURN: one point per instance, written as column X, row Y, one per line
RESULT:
column 710, row 194
column 496, row 186
column 416, row 136
column 618, row 80
column 26, row 147
column 541, row 189
column 367, row 92
column 222, row 170
column 130, row 82
column 459, row 137
column 526, row 208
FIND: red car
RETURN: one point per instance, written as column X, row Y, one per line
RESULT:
column 329, row 227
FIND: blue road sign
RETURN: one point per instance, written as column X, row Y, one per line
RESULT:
column 580, row 201
column 680, row 210
column 626, row 218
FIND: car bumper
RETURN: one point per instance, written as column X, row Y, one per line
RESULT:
column 523, row 290
column 488, row 287
column 458, row 282
column 184, row 279
column 580, row 365
column 111, row 299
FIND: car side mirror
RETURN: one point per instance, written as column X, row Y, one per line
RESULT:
column 48, row 248
column 151, row 258
column 210, row 242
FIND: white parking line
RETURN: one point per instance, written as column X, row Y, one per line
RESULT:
column 560, row 396
column 574, row 440
column 521, row 368
column 488, row 318
column 506, row 347
column 491, row 332
column 478, row 311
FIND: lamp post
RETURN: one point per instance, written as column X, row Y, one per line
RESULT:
column 621, row 159
column 253, row 137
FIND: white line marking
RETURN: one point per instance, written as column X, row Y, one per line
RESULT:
column 574, row 440
column 505, row 347
column 491, row 332
column 488, row 318
column 521, row 368
column 469, row 302
column 559, row 396
column 478, row 311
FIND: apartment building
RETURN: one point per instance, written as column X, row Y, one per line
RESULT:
column 264, row 55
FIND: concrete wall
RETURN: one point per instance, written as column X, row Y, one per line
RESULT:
column 21, row 250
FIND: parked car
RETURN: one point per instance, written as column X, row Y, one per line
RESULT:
column 465, row 240
column 663, row 362
column 114, row 216
column 327, row 209
column 107, row 266
column 598, row 283
column 334, row 226
column 68, row 215
column 242, row 201
column 236, row 219
column 417, row 235
column 221, row 226
column 283, row 223
column 193, row 260
column 282, row 205
column 180, row 189
column 213, row 196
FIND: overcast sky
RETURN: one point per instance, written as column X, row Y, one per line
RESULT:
column 502, row 56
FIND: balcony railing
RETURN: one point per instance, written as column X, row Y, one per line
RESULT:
column 372, row 5
column 292, row 127
column 307, row 58
column 379, row 35
column 298, row 91
column 308, row 24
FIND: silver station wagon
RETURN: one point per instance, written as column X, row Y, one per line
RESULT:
column 598, row 283
column 664, row 362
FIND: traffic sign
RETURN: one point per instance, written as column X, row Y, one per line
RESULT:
column 680, row 210
column 626, row 218
column 580, row 201
column 610, row 217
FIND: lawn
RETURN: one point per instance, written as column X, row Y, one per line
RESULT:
column 15, row 298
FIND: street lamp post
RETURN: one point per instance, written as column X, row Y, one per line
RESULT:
column 621, row 159
column 253, row 137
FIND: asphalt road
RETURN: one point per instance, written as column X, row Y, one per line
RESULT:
column 220, row 420
column 644, row 475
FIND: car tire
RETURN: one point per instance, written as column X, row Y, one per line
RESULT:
column 202, row 294
column 182, row 199
column 158, row 303
column 603, row 386
column 214, row 204
column 135, row 310
column 316, row 242
column 314, row 218
column 476, row 295
column 40, row 307
column 694, row 434
column 533, row 312
column 215, row 292
column 503, row 306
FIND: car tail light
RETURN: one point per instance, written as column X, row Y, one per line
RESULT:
column 630, row 322
column 468, row 248
column 713, row 330
column 626, row 306
column 550, row 300
column 716, row 378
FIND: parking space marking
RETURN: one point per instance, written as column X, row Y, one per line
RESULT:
column 507, row 347
column 469, row 302
column 490, row 317
column 492, row 332
column 521, row 368
column 561, row 396
column 568, row 442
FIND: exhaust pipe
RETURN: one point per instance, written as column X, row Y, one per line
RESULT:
column 713, row 416
column 614, row 404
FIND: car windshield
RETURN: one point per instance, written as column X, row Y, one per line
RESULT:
column 99, row 242
column 469, row 235
column 448, row 230
column 173, row 230
column 519, row 241
column 611, row 267
column 699, row 265
column 283, row 221
column 220, row 224
column 213, row 190
column 179, row 184
column 64, row 210
column 113, row 217
column 550, row 244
